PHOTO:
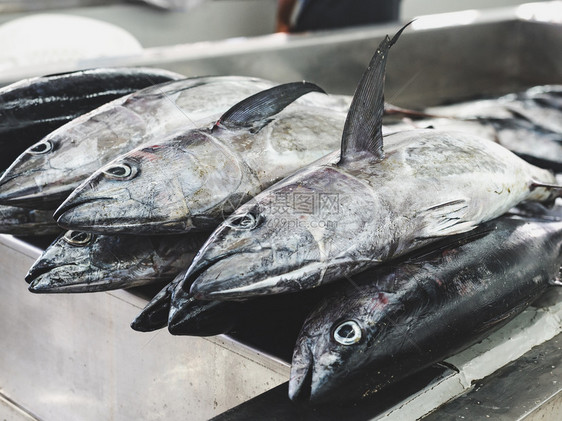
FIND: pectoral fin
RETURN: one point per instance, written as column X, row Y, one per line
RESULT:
column 446, row 219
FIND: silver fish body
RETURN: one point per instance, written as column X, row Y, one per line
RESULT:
column 25, row 222
column 32, row 108
column 327, row 221
column 83, row 262
column 528, row 123
column 45, row 174
column 395, row 320
column 540, row 105
column 194, row 180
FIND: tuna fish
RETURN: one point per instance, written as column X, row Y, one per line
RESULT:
column 395, row 320
column 193, row 180
column 32, row 108
column 83, row 262
column 528, row 123
column 353, row 210
column 45, row 174
column 25, row 222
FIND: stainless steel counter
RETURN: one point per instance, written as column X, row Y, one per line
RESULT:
column 68, row 357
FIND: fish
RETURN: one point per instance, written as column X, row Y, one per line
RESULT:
column 25, row 222
column 540, row 105
column 155, row 314
column 528, row 123
column 193, row 180
column 32, row 108
column 83, row 262
column 47, row 172
column 392, row 321
column 271, row 323
column 360, row 206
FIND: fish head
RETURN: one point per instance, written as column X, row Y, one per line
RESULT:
column 80, row 261
column 67, row 259
column 47, row 172
column 296, row 235
column 186, row 183
column 340, row 351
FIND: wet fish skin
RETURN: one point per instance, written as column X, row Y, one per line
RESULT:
column 192, row 181
column 83, row 262
column 45, row 174
column 533, row 143
column 31, row 108
column 26, row 222
column 364, row 207
column 418, row 312
column 155, row 314
column 528, row 123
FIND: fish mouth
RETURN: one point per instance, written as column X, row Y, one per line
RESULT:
column 61, row 214
column 74, row 216
column 209, row 285
column 300, row 381
column 152, row 317
column 36, row 272
column 155, row 314
column 43, row 281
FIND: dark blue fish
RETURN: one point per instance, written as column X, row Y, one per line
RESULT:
column 393, row 321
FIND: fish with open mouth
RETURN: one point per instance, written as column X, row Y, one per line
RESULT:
column 46, row 173
column 193, row 180
column 83, row 262
column 395, row 320
column 32, row 108
column 359, row 207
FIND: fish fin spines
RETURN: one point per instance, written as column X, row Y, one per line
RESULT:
column 259, row 107
column 362, row 133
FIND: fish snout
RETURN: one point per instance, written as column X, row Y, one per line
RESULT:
column 300, row 381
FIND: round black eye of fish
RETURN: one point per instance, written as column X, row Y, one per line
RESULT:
column 347, row 333
column 41, row 148
column 78, row 238
column 120, row 172
column 245, row 222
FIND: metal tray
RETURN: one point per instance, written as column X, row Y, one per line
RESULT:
column 66, row 357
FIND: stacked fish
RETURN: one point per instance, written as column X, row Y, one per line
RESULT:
column 390, row 258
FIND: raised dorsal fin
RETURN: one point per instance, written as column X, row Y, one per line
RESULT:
column 362, row 133
column 259, row 107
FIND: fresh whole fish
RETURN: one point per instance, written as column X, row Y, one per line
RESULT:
column 32, row 108
column 45, row 174
column 527, row 123
column 25, row 222
column 540, row 105
column 84, row 262
column 193, row 180
column 395, row 320
column 345, row 213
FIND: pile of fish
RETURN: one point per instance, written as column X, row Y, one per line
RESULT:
column 245, row 200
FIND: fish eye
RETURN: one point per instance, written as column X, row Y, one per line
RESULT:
column 120, row 172
column 78, row 238
column 347, row 333
column 245, row 222
column 41, row 148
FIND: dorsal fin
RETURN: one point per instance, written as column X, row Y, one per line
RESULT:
column 264, row 104
column 362, row 133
